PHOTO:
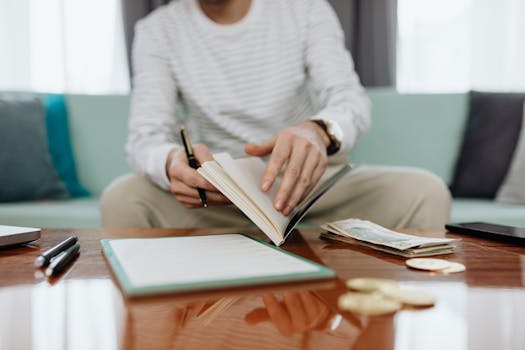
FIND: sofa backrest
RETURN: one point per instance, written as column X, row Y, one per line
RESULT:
column 422, row 130
column 98, row 127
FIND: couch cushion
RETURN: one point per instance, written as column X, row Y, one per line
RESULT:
column 468, row 210
column 513, row 189
column 60, row 144
column 420, row 130
column 490, row 138
column 82, row 212
column 26, row 171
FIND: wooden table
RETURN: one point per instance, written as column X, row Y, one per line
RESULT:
column 482, row 308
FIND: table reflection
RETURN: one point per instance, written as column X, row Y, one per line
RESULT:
column 464, row 318
column 78, row 314
column 92, row 314
column 296, row 319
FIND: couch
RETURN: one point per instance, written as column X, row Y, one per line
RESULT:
column 422, row 130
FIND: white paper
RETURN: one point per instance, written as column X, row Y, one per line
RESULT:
column 178, row 260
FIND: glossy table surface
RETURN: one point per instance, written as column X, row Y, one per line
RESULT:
column 481, row 308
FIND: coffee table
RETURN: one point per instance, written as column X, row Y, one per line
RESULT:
column 482, row 308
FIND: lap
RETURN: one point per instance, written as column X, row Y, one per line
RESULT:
column 380, row 194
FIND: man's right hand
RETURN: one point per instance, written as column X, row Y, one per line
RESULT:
column 185, row 180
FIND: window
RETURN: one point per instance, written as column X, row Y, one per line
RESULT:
column 458, row 45
column 73, row 46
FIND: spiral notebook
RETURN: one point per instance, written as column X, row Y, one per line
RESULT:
column 145, row 266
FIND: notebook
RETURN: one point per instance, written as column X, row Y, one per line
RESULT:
column 145, row 266
column 239, row 180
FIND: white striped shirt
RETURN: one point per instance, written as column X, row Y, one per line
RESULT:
column 282, row 64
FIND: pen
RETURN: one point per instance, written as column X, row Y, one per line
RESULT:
column 43, row 259
column 62, row 260
column 192, row 161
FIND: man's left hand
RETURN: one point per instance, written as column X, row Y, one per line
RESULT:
column 302, row 149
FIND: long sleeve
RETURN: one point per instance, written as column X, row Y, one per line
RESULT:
column 331, row 71
column 152, row 123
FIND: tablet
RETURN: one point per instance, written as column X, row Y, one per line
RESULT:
column 11, row 235
column 491, row 231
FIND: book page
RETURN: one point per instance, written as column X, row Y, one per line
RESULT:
column 154, row 262
column 248, row 172
column 214, row 173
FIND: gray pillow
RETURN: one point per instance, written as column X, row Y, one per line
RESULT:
column 513, row 189
column 26, row 171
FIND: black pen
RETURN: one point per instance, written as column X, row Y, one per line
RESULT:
column 62, row 260
column 192, row 160
column 43, row 259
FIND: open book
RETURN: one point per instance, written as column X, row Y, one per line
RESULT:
column 239, row 180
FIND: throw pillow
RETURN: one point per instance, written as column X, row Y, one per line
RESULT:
column 26, row 169
column 491, row 135
column 60, row 144
column 513, row 189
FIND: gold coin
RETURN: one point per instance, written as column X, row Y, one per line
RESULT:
column 429, row 264
column 409, row 296
column 454, row 267
column 367, row 304
column 369, row 284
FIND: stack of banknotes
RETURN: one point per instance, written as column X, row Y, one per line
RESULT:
column 377, row 237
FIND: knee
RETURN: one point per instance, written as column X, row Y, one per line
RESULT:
column 430, row 197
column 432, row 191
column 120, row 203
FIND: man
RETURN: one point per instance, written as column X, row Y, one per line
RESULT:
column 263, row 78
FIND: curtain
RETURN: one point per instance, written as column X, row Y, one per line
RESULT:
column 459, row 45
column 73, row 46
column 132, row 11
column 371, row 33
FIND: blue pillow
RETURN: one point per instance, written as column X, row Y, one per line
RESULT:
column 60, row 145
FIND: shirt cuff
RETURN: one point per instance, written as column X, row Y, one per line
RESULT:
column 156, row 167
column 350, row 133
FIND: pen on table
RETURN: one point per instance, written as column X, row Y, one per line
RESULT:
column 45, row 258
column 62, row 260
column 192, row 160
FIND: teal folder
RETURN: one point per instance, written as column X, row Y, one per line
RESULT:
column 147, row 266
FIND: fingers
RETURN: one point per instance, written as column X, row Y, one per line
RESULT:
column 261, row 150
column 256, row 316
column 280, row 154
column 181, row 171
column 202, row 153
column 297, row 182
column 279, row 314
column 190, row 198
column 295, row 306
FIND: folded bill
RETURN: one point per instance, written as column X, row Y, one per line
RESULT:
column 375, row 236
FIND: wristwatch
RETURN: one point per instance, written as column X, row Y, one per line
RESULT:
column 334, row 133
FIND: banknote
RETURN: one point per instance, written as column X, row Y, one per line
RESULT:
column 370, row 232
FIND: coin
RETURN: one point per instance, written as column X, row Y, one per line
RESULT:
column 368, row 304
column 429, row 264
column 369, row 284
column 409, row 296
column 454, row 267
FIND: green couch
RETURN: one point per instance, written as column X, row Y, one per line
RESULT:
column 414, row 130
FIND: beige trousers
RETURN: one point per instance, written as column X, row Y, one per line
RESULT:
column 389, row 196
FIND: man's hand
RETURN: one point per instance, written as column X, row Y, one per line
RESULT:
column 295, row 313
column 185, row 180
column 302, row 149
